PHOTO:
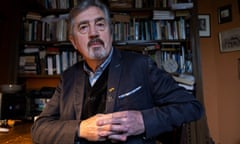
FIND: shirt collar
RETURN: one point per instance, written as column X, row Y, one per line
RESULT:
column 101, row 68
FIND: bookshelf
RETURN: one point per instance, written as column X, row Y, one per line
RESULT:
column 162, row 29
column 159, row 28
column 45, row 51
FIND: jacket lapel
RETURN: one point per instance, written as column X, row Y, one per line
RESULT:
column 113, row 80
column 79, row 91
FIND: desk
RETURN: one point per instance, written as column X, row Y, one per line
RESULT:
column 19, row 134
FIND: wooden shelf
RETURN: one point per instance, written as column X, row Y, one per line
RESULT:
column 38, row 76
column 38, row 81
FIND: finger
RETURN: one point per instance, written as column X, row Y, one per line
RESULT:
column 120, row 117
column 118, row 137
column 104, row 121
column 121, row 114
column 106, row 130
column 110, row 129
column 106, row 133
column 107, row 121
column 119, row 128
column 113, row 118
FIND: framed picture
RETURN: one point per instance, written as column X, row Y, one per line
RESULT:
column 225, row 14
column 229, row 40
column 204, row 25
column 239, row 68
column 238, row 3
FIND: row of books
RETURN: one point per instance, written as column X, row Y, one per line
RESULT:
column 171, row 50
column 177, row 52
column 58, row 4
column 147, row 3
column 52, row 28
column 39, row 60
column 47, row 61
column 185, row 80
column 147, row 29
column 183, row 75
column 49, row 28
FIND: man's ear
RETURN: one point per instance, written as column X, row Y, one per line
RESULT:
column 71, row 39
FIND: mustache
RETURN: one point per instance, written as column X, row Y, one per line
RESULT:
column 95, row 40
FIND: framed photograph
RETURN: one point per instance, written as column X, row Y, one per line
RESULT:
column 229, row 40
column 239, row 68
column 225, row 14
column 238, row 3
column 204, row 25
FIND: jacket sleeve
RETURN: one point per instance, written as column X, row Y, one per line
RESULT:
column 173, row 104
column 51, row 127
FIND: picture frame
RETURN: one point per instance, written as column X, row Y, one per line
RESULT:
column 225, row 14
column 204, row 25
column 238, row 3
column 239, row 68
column 229, row 40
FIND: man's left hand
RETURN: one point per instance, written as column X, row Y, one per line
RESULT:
column 123, row 124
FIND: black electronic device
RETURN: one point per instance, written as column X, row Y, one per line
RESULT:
column 39, row 99
column 12, row 106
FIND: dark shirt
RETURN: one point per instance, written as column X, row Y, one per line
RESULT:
column 95, row 96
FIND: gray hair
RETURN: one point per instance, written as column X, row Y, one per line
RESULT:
column 83, row 5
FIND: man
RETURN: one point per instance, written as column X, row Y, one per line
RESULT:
column 112, row 96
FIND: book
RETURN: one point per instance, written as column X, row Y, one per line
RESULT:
column 163, row 15
column 185, row 79
column 33, row 16
column 182, row 6
column 49, row 65
column 188, row 87
column 120, row 3
column 29, row 63
column 121, row 17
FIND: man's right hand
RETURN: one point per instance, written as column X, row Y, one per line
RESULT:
column 90, row 129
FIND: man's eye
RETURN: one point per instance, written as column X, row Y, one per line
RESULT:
column 100, row 25
column 83, row 27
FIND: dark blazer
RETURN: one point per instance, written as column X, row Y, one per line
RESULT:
column 134, row 83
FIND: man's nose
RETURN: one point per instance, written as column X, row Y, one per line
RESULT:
column 93, row 31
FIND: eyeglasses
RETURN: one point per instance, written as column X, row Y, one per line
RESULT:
column 99, row 25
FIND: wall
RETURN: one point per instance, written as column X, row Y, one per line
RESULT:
column 220, row 77
column 9, row 23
